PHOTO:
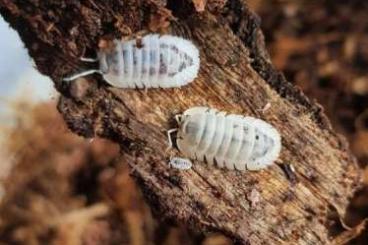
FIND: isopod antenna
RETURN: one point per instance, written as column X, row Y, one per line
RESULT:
column 84, row 73
column 91, row 60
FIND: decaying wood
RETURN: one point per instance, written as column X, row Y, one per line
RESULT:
column 236, row 75
column 348, row 235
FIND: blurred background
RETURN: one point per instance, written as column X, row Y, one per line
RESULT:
column 58, row 188
column 17, row 72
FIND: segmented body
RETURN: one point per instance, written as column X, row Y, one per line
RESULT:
column 180, row 163
column 151, row 62
column 230, row 141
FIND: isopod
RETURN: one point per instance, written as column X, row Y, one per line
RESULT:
column 180, row 163
column 227, row 140
column 151, row 62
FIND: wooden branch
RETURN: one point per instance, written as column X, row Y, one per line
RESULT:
column 266, row 207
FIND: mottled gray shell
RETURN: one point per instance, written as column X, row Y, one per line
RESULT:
column 228, row 140
column 151, row 62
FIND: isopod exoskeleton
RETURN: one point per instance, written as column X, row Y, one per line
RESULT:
column 180, row 163
column 151, row 62
column 227, row 140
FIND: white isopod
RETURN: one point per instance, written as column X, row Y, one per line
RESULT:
column 151, row 62
column 230, row 141
column 180, row 163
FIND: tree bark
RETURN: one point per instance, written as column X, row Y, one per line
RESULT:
column 272, row 206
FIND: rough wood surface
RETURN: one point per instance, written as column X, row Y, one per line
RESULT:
column 236, row 75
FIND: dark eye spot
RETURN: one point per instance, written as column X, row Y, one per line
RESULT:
column 257, row 137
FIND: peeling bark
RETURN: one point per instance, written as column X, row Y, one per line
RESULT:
column 236, row 75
